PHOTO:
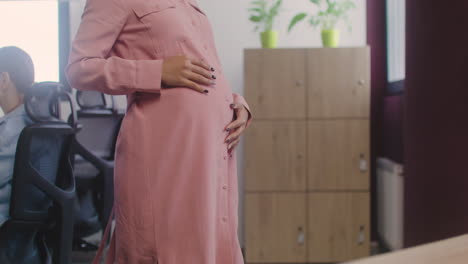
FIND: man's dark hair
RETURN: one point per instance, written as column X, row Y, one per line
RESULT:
column 19, row 66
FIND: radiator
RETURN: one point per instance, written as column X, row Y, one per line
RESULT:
column 390, row 184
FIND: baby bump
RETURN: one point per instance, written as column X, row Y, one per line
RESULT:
column 178, row 110
column 175, row 105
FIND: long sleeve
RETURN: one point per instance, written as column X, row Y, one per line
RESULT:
column 11, row 126
column 90, row 66
column 239, row 99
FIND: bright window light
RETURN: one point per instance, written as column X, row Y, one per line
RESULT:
column 396, row 33
column 32, row 25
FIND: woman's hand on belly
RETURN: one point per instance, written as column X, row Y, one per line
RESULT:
column 180, row 71
column 237, row 127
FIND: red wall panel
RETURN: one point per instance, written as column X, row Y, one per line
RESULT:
column 436, row 121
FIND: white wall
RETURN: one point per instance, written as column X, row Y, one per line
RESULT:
column 233, row 33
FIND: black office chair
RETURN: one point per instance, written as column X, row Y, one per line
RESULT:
column 43, row 189
column 94, row 161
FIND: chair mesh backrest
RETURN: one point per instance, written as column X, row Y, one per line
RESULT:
column 98, row 133
column 91, row 100
column 44, row 156
column 43, row 148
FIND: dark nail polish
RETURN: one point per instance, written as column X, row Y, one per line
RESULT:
column 214, row 77
column 232, row 105
column 205, row 91
column 228, row 129
column 212, row 69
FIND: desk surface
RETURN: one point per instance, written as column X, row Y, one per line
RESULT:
column 451, row 251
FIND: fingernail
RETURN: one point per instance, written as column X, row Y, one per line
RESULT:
column 232, row 105
column 205, row 91
column 228, row 129
column 228, row 140
column 214, row 77
column 212, row 69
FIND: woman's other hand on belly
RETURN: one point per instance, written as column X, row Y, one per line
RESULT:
column 236, row 127
column 180, row 71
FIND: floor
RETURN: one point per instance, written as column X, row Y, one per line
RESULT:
column 86, row 257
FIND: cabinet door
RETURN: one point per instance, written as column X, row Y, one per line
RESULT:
column 274, row 227
column 338, row 155
column 275, row 82
column 338, row 82
column 338, row 226
column 275, row 156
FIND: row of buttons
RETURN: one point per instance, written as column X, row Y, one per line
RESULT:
column 225, row 187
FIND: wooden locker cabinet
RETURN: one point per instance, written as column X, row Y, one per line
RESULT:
column 276, row 229
column 276, row 156
column 338, row 226
column 307, row 155
column 338, row 154
column 275, row 82
column 339, row 83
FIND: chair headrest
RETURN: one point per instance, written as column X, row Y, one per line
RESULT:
column 43, row 103
column 91, row 100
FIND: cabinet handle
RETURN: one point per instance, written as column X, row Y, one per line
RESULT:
column 361, row 82
column 361, row 236
column 300, row 236
column 299, row 83
column 363, row 163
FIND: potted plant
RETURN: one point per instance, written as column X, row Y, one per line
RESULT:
column 330, row 13
column 264, row 16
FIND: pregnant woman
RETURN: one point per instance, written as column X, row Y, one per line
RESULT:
column 176, row 194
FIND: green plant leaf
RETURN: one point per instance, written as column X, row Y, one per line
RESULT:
column 255, row 10
column 263, row 14
column 296, row 19
column 314, row 21
column 259, row 2
column 255, row 19
column 333, row 12
column 276, row 6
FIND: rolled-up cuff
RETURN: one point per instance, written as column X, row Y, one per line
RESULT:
column 148, row 76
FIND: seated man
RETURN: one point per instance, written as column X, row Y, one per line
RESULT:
column 16, row 78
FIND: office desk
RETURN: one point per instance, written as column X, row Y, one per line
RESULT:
column 450, row 251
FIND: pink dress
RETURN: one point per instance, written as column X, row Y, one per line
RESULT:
column 176, row 196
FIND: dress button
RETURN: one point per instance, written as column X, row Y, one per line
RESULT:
column 224, row 157
column 205, row 47
column 224, row 219
column 225, row 187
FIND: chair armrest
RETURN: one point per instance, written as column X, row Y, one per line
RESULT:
column 57, row 194
column 99, row 163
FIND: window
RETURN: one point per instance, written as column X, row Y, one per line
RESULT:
column 396, row 46
column 33, row 26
